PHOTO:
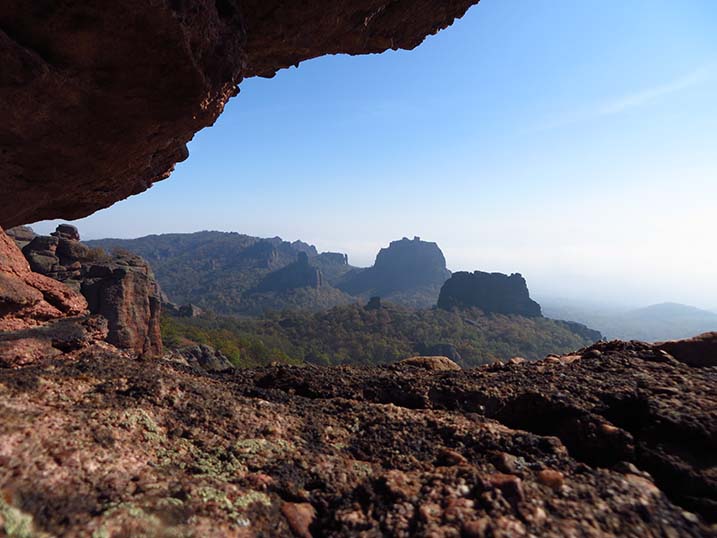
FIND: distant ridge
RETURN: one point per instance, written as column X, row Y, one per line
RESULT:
column 236, row 274
column 662, row 321
column 232, row 273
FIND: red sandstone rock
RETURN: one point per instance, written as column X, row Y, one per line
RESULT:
column 551, row 478
column 99, row 99
column 299, row 516
column 94, row 443
column 27, row 298
column 127, row 295
column 120, row 287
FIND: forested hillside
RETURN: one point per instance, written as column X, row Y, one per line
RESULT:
column 354, row 334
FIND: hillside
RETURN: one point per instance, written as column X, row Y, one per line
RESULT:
column 354, row 334
column 228, row 272
column 231, row 273
column 664, row 321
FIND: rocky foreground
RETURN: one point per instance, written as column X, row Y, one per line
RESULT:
column 618, row 440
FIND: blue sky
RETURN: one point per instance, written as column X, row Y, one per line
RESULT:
column 572, row 141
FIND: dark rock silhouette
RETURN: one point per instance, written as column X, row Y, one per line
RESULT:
column 408, row 272
column 491, row 292
column 67, row 231
column 374, row 303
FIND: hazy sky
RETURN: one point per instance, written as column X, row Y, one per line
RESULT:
column 574, row 142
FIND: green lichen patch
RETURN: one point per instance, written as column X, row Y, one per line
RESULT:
column 139, row 419
column 220, row 464
column 15, row 523
column 257, row 452
column 232, row 504
column 130, row 519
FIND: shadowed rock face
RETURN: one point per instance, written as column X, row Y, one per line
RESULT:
column 98, row 99
column 408, row 272
column 491, row 292
column 300, row 274
column 698, row 351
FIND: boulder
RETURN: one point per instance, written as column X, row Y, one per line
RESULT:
column 205, row 358
column 443, row 350
column 67, row 231
column 435, row 364
column 699, row 351
column 127, row 297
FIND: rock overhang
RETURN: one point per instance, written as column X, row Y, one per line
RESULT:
column 99, row 99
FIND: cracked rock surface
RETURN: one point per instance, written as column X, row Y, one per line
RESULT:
column 618, row 440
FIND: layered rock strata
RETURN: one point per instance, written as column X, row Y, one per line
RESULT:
column 119, row 287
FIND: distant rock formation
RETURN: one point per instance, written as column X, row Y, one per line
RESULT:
column 494, row 293
column 300, row 274
column 119, row 287
column 337, row 258
column 408, row 272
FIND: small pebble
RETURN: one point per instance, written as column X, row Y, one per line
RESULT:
column 551, row 478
